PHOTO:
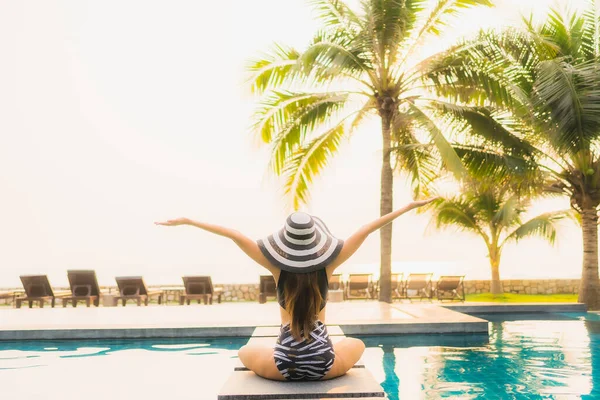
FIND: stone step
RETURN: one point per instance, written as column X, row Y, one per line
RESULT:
column 270, row 340
column 246, row 385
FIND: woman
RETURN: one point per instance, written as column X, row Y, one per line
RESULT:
column 302, row 256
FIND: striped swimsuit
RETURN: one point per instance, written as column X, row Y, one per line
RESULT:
column 304, row 360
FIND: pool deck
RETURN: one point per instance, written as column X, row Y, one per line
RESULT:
column 241, row 319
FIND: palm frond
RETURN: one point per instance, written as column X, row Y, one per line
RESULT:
column 280, row 108
column 481, row 161
column 508, row 213
column 392, row 18
column 565, row 29
column 544, row 226
column 495, row 67
column 333, row 54
column 571, row 95
column 590, row 40
column 417, row 160
column 449, row 157
column 275, row 68
column 459, row 213
column 455, row 77
column 541, row 38
column 485, row 198
column 369, row 108
column 522, row 175
column 389, row 23
column 444, row 10
column 336, row 14
column 482, row 123
column 432, row 20
column 308, row 161
column 286, row 118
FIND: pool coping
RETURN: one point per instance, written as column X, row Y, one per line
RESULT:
column 127, row 333
column 428, row 328
column 491, row 308
column 425, row 319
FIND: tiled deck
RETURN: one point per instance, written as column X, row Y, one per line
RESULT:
column 227, row 319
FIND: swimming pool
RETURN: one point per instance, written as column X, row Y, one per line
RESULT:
column 528, row 356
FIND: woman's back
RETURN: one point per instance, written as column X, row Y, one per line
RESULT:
column 323, row 284
column 283, row 277
column 303, row 350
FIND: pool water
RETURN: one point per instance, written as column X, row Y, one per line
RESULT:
column 129, row 369
column 537, row 356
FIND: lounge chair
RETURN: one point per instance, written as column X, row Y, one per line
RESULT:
column 37, row 288
column 336, row 289
column 335, row 283
column 398, row 286
column 84, row 287
column 418, row 286
column 199, row 288
column 7, row 295
column 362, row 283
column 450, row 288
column 134, row 288
column 266, row 288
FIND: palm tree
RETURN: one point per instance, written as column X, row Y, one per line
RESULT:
column 494, row 213
column 359, row 64
column 537, row 91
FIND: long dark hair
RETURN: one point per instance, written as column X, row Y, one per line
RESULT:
column 303, row 301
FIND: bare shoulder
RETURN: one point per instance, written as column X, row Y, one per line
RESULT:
column 251, row 248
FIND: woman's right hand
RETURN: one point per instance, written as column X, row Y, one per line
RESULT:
column 174, row 222
column 421, row 203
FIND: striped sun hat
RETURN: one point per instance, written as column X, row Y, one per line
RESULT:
column 304, row 244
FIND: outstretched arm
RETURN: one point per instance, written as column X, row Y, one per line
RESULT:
column 354, row 242
column 247, row 245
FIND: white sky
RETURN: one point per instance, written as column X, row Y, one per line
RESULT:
column 115, row 114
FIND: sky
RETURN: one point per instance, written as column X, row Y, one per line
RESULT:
column 116, row 114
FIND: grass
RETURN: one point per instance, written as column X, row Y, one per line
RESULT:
column 523, row 298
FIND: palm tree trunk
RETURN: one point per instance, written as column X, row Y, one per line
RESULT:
column 589, row 289
column 496, row 285
column 386, row 206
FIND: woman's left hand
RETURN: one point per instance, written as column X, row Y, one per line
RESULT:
column 174, row 222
